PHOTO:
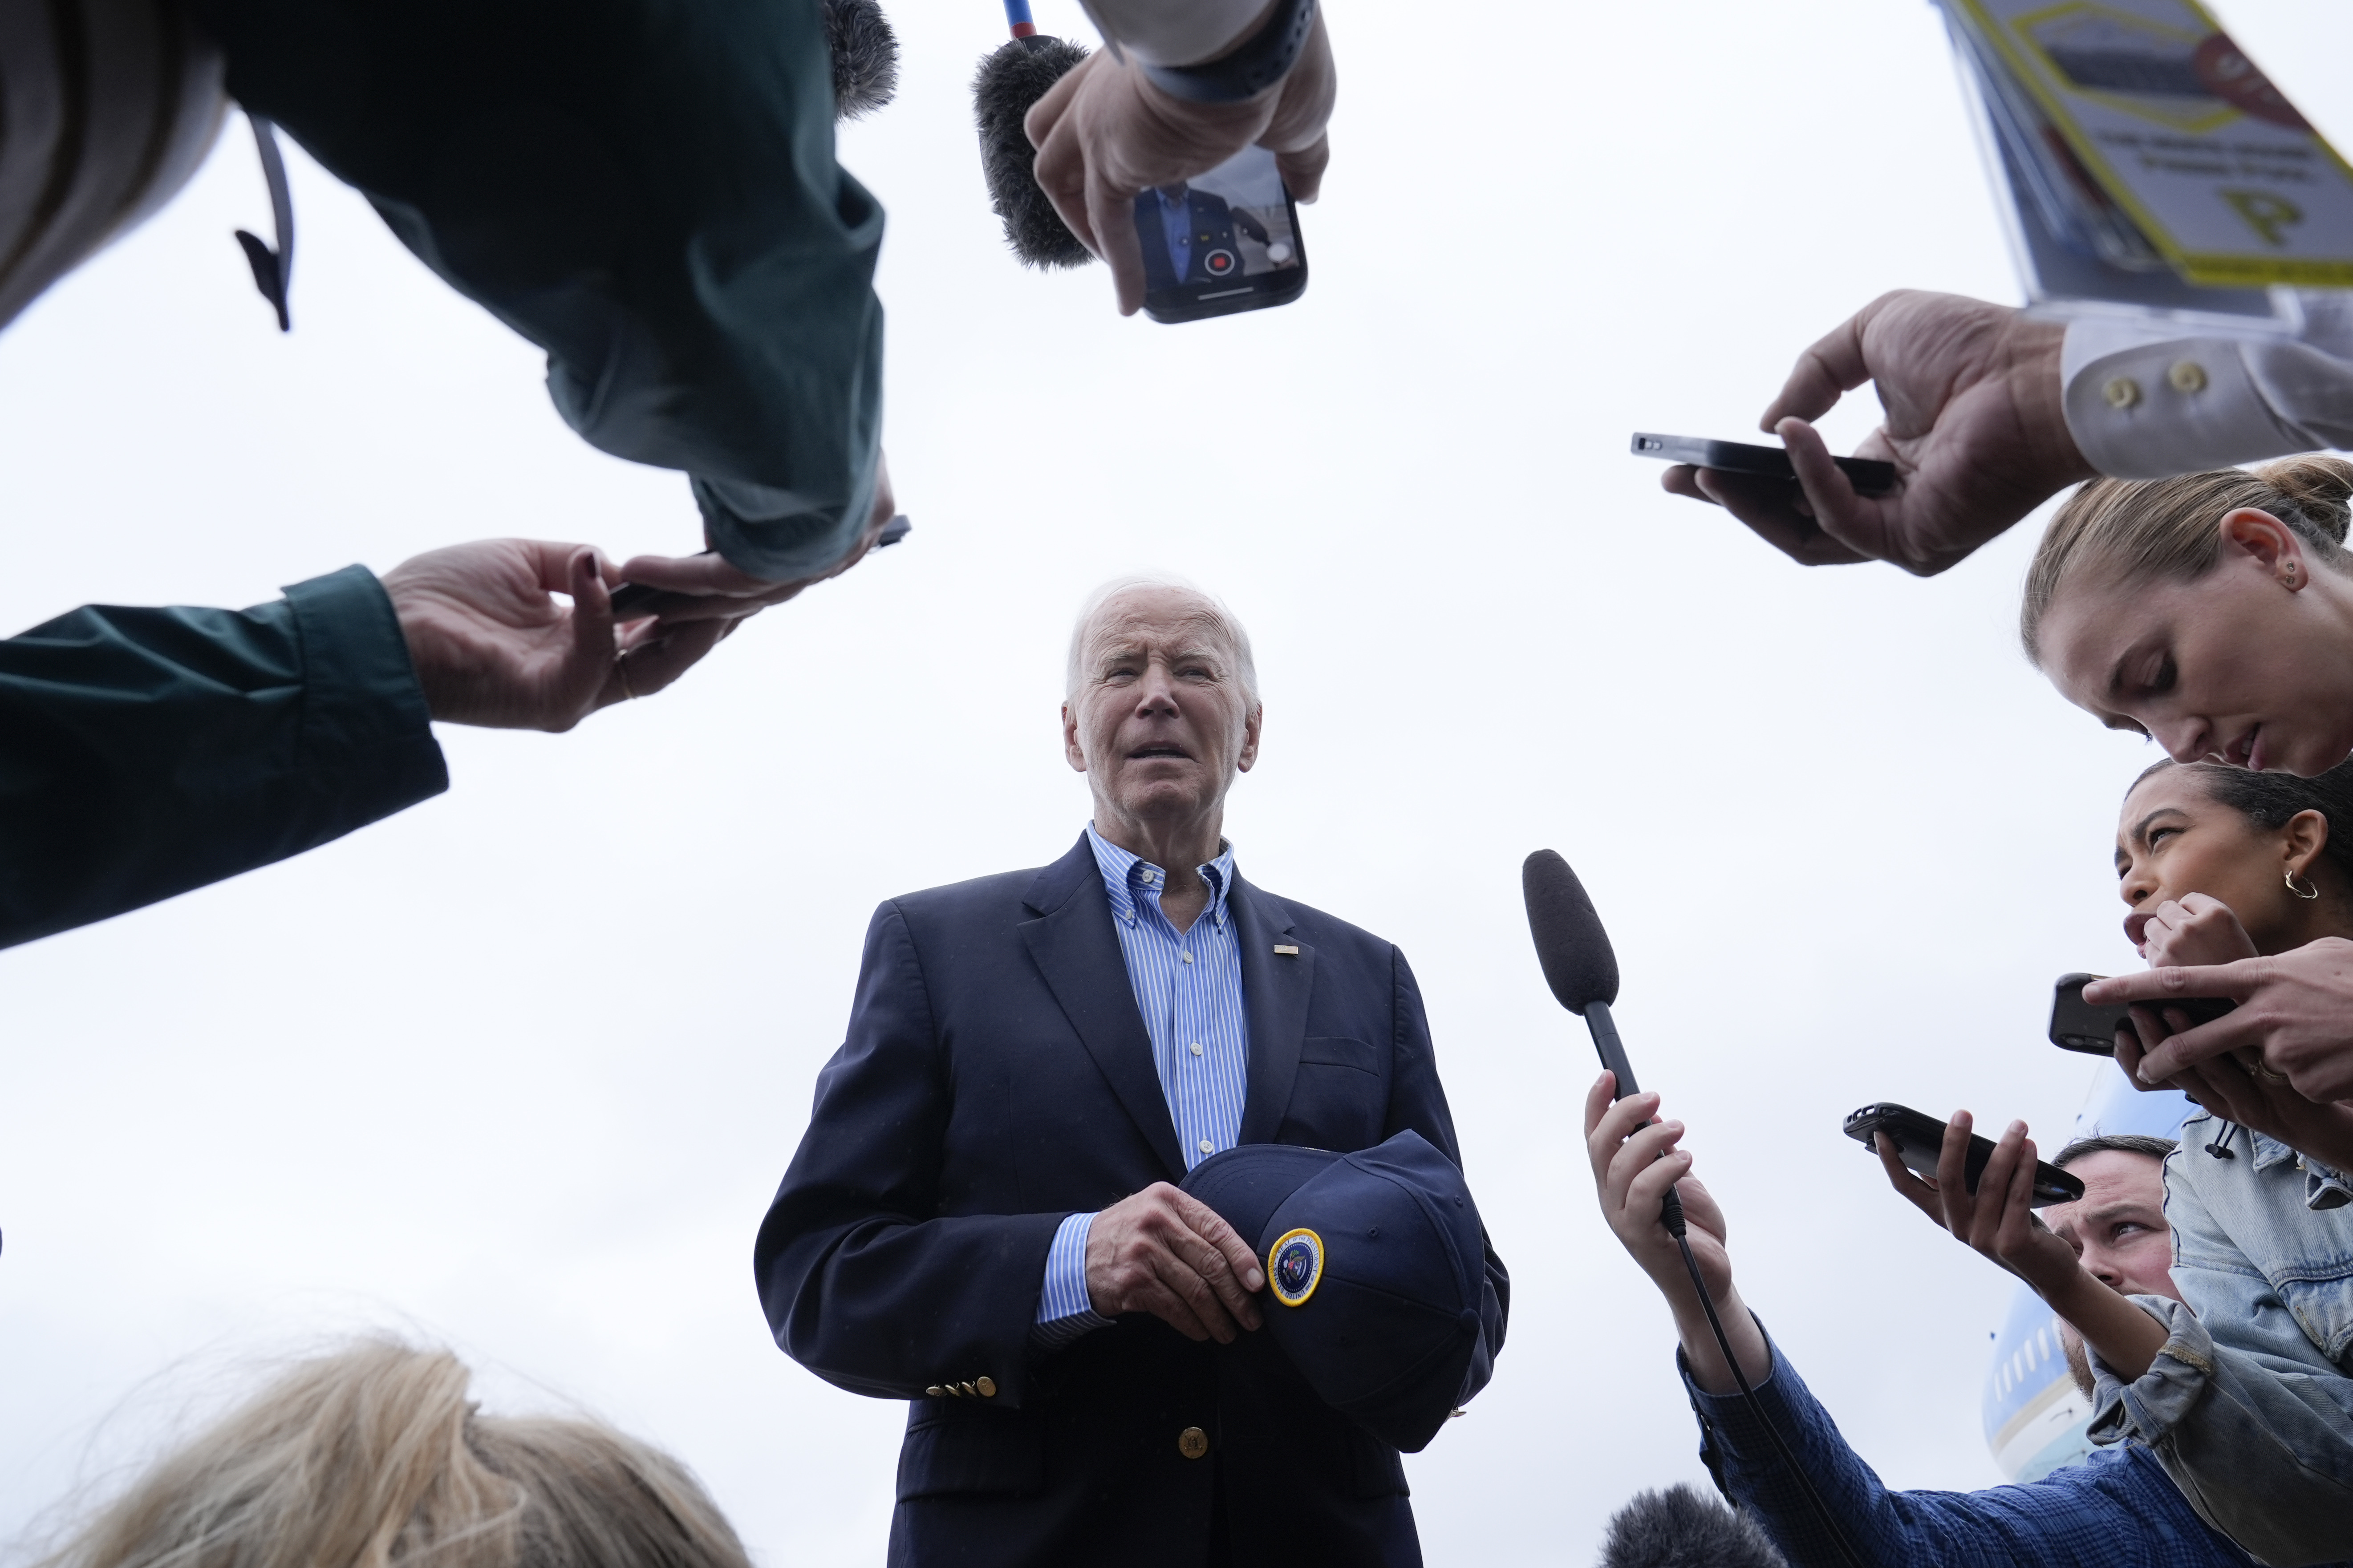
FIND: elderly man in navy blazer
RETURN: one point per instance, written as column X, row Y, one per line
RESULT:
column 981, row 1218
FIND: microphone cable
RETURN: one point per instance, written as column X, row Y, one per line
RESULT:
column 1670, row 1215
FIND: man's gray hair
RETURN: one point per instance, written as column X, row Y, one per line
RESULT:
column 1213, row 610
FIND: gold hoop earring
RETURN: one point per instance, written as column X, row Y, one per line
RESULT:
column 2289, row 878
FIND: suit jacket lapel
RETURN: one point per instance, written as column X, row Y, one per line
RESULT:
column 1077, row 951
column 1274, row 995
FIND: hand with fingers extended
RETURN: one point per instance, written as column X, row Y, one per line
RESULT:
column 1975, row 425
column 705, row 587
column 2238, row 1087
column 1105, row 135
column 2293, row 1017
column 1998, row 1221
column 492, row 647
column 1165, row 1252
column 1635, row 1159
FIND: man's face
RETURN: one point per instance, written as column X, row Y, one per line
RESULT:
column 1159, row 723
column 2118, row 1228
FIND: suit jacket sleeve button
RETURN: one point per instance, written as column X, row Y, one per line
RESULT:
column 987, row 1386
column 936, row 1392
column 1192, row 1442
column 970, row 1391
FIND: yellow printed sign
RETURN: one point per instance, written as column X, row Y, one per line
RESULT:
column 2179, row 128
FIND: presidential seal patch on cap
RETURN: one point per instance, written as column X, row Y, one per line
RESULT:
column 1293, row 1265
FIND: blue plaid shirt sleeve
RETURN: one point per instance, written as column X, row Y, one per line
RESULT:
column 2116, row 1510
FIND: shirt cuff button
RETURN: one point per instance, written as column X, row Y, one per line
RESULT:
column 2188, row 376
column 2122, row 392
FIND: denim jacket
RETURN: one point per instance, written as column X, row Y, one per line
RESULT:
column 2250, row 1404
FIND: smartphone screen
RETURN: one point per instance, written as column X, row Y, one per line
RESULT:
column 1221, row 242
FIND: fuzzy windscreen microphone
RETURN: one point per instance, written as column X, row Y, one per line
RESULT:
column 865, row 57
column 1003, row 91
column 1678, row 1528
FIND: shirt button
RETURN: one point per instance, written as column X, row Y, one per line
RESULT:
column 2122, row 392
column 1196, row 1047
column 1207, row 1147
column 2188, row 376
column 1189, row 958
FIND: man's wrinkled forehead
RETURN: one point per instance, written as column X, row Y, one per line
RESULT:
column 1171, row 622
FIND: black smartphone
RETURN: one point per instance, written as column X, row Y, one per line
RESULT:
column 1868, row 474
column 2077, row 1025
column 1919, row 1138
column 635, row 601
column 1221, row 242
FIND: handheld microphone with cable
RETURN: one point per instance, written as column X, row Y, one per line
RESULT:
column 1007, row 85
column 1582, row 969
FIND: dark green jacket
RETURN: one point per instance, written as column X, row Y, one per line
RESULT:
column 644, row 188
column 147, row 752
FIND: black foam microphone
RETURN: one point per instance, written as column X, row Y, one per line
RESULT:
column 1678, row 1528
column 865, row 57
column 1007, row 85
column 1579, row 962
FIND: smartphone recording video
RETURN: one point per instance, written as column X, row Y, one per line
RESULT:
column 1221, row 242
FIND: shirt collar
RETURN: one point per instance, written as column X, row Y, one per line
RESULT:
column 1125, row 874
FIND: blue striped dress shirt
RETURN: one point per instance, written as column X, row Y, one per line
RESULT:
column 1188, row 986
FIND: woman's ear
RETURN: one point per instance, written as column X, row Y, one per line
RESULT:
column 2305, row 837
column 2272, row 544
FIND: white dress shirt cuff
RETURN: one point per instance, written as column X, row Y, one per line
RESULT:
column 1174, row 32
column 1063, row 1309
column 2144, row 401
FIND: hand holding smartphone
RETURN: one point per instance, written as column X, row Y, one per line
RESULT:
column 1870, row 475
column 1919, row 1140
column 2077, row 1025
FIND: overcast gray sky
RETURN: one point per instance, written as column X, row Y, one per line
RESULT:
column 519, row 1068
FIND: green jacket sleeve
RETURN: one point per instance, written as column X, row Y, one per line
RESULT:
column 147, row 752
column 644, row 188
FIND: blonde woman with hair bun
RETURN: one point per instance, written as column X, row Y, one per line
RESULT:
column 2212, row 612
column 373, row 1458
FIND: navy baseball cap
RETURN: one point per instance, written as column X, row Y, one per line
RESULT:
column 1375, row 1267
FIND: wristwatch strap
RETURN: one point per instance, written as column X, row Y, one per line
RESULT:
column 1266, row 58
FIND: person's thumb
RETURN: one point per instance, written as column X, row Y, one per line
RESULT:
column 1303, row 170
column 590, row 663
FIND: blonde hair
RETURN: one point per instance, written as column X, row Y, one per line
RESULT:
column 373, row 1457
column 2161, row 530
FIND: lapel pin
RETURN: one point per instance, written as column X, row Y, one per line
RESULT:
column 1285, row 950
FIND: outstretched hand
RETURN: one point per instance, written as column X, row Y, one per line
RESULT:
column 1998, row 1219
column 705, row 587
column 2291, row 1019
column 492, row 647
column 1975, row 425
column 2237, row 1086
column 1104, row 135
column 1634, row 1161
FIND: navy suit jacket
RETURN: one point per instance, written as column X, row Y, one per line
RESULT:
column 996, row 1078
